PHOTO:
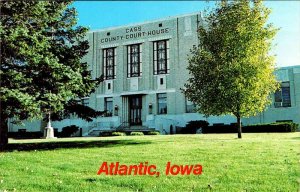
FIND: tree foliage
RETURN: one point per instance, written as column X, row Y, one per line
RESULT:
column 231, row 69
column 41, row 52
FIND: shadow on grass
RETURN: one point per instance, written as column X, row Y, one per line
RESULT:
column 297, row 138
column 70, row 144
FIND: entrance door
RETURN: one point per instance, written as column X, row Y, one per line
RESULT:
column 135, row 110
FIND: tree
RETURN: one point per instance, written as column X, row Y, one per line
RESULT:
column 41, row 68
column 231, row 70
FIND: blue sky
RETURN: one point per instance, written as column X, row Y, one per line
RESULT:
column 103, row 14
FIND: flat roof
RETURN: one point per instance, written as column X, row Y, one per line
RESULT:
column 145, row 22
column 288, row 67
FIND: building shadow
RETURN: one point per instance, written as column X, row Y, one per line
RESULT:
column 42, row 146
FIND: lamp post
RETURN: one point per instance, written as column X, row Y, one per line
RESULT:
column 116, row 110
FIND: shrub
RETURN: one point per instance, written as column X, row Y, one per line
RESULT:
column 272, row 127
column 259, row 128
column 69, row 130
column 192, row 126
column 118, row 134
column 137, row 133
column 153, row 133
column 105, row 134
column 25, row 135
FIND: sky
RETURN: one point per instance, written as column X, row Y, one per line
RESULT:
column 103, row 14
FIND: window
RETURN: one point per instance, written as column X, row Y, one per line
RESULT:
column 108, row 106
column 134, row 60
column 190, row 107
column 161, row 57
column 85, row 102
column 282, row 95
column 162, row 103
column 109, row 60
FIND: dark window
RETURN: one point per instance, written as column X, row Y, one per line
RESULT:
column 190, row 107
column 160, row 25
column 162, row 103
column 161, row 81
column 109, row 59
column 108, row 86
column 134, row 60
column 282, row 95
column 108, row 33
column 108, row 106
column 161, row 57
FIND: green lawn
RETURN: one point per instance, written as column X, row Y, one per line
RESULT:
column 258, row 162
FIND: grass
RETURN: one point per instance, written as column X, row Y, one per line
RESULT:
column 258, row 162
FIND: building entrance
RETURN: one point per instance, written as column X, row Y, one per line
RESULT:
column 135, row 110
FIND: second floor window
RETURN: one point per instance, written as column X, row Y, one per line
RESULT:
column 134, row 60
column 161, row 57
column 109, row 63
column 282, row 95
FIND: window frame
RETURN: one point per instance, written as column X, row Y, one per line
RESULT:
column 157, row 66
column 131, row 64
column 192, row 104
column 162, row 96
column 85, row 102
column 107, row 112
column 279, row 100
column 109, row 70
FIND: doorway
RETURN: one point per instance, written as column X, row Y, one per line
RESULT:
column 135, row 110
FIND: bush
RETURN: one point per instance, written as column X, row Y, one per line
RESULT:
column 259, row 128
column 136, row 133
column 69, row 130
column 153, row 133
column 25, row 135
column 105, row 134
column 193, row 126
column 118, row 134
column 271, row 127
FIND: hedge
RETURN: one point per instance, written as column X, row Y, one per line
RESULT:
column 68, row 130
column 25, row 135
column 118, row 134
column 136, row 133
column 259, row 128
column 193, row 126
column 153, row 133
column 272, row 127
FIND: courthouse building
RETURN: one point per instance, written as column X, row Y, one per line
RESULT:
column 144, row 67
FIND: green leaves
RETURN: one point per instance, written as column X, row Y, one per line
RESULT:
column 231, row 69
column 41, row 66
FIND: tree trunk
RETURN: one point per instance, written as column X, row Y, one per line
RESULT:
column 3, row 133
column 239, row 127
